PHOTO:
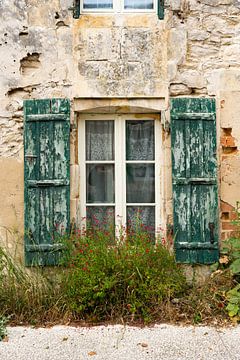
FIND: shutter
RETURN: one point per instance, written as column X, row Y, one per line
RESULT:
column 76, row 9
column 161, row 9
column 194, row 171
column 46, row 177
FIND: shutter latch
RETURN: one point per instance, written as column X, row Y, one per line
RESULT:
column 211, row 228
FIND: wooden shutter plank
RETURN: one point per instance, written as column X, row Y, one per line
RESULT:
column 46, row 150
column 31, row 151
column 46, row 117
column 193, row 116
column 195, row 194
column 61, row 151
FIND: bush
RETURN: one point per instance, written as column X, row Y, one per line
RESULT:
column 131, row 278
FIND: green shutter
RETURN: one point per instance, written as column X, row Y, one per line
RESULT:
column 76, row 9
column 161, row 9
column 46, row 175
column 194, row 171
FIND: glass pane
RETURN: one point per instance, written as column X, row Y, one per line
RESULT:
column 100, row 140
column 140, row 183
column 101, row 217
column 140, row 140
column 141, row 218
column 100, row 183
column 138, row 4
column 98, row 4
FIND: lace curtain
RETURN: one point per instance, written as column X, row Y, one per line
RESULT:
column 98, row 4
column 140, row 140
column 99, row 140
column 138, row 4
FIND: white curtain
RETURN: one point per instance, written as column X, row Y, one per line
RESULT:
column 100, row 140
column 140, row 140
column 138, row 4
column 97, row 4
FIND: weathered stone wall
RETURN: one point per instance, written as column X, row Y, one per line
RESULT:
column 120, row 56
column 44, row 52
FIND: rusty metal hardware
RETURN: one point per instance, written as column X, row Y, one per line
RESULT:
column 211, row 228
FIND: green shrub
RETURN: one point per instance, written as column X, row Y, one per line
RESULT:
column 131, row 278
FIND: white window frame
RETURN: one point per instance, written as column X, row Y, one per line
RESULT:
column 118, row 8
column 120, row 167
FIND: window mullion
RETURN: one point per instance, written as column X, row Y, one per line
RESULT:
column 158, row 176
column 118, row 173
column 82, row 165
column 117, row 5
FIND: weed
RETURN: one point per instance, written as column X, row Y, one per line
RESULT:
column 26, row 295
column 230, row 261
column 3, row 329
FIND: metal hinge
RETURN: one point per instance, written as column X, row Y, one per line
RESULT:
column 75, row 9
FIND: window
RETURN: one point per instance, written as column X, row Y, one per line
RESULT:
column 118, row 5
column 120, row 170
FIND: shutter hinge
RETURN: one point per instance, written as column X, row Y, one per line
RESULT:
column 161, row 9
column 75, row 9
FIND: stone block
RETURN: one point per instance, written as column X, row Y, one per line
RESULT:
column 74, row 181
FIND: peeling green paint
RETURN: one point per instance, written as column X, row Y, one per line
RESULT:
column 47, row 159
column 194, row 170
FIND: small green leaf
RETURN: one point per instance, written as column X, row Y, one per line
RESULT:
column 232, row 309
column 235, row 266
column 235, row 243
column 225, row 250
column 214, row 266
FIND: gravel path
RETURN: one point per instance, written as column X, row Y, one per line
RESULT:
column 121, row 343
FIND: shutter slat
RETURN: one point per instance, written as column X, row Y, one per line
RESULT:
column 47, row 189
column 186, row 245
column 44, row 247
column 194, row 116
column 44, row 183
column 46, row 117
column 188, row 181
column 194, row 170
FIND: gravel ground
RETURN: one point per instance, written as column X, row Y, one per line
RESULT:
column 121, row 343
